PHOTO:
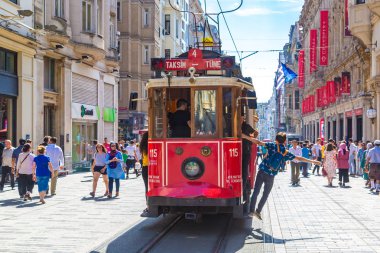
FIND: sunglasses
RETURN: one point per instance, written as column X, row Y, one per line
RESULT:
column 113, row 146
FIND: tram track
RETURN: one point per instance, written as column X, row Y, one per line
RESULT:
column 180, row 229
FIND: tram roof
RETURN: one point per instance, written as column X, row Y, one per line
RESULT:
column 202, row 81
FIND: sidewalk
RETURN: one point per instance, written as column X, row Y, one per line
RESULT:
column 71, row 221
column 315, row 218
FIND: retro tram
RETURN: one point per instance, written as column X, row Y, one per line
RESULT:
column 203, row 172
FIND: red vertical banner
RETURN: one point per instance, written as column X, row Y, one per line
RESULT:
column 346, row 83
column 325, row 96
column 322, row 129
column 319, row 97
column 338, row 86
column 303, row 106
column 313, row 50
column 312, row 102
column 332, row 95
column 347, row 31
column 324, row 39
column 301, row 69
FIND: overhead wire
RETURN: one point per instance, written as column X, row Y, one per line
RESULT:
column 228, row 28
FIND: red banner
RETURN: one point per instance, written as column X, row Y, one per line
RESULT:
column 346, row 83
column 324, row 39
column 331, row 91
column 319, row 97
column 301, row 69
column 347, row 31
column 338, row 86
column 325, row 98
column 312, row 103
column 313, row 50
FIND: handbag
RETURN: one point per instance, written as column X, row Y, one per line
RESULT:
column 324, row 172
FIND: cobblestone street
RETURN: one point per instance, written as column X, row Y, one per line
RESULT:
column 310, row 218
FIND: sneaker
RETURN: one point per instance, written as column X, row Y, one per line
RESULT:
column 92, row 194
column 53, row 194
column 28, row 196
column 258, row 215
column 25, row 198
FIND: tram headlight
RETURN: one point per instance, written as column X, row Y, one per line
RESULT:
column 193, row 168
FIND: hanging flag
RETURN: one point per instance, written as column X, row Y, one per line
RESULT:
column 313, row 50
column 324, row 40
column 312, row 102
column 284, row 75
column 331, row 94
column 319, row 97
column 346, row 83
column 338, row 86
column 347, row 31
column 301, row 69
column 325, row 100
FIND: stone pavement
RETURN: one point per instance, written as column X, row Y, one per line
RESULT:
column 71, row 221
column 315, row 218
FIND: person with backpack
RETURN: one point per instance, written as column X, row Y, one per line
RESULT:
column 269, row 167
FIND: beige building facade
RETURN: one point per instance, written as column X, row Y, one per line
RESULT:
column 346, row 118
column 76, row 75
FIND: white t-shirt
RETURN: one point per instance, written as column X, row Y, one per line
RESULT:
column 352, row 149
column 317, row 148
column 131, row 150
column 25, row 165
column 296, row 151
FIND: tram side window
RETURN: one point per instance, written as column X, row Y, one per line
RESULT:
column 205, row 112
column 227, row 112
column 158, row 108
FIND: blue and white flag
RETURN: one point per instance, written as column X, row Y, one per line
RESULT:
column 284, row 75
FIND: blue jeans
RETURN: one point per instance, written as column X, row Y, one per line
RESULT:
column 110, row 184
column 267, row 180
column 351, row 162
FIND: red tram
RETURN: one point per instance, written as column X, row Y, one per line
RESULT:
column 202, row 173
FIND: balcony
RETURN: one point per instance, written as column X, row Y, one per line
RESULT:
column 360, row 22
column 374, row 6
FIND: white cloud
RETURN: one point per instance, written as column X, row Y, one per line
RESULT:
column 256, row 12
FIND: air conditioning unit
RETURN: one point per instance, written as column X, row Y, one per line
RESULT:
column 118, row 33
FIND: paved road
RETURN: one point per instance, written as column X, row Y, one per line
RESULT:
column 311, row 218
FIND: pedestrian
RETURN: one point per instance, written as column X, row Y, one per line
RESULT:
column 295, row 165
column 317, row 154
column 42, row 172
column 106, row 144
column 343, row 164
column 8, row 165
column 305, row 154
column 145, row 163
column 330, row 163
column 132, row 158
column 15, row 156
column 268, row 169
column 54, row 152
column 45, row 141
column 359, row 157
column 24, row 172
column 114, row 161
column 352, row 153
column 373, row 160
column 363, row 164
column 98, row 168
column 246, row 130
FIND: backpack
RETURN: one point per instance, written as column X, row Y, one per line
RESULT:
column 276, row 159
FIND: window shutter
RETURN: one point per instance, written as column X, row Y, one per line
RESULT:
column 85, row 90
column 108, row 95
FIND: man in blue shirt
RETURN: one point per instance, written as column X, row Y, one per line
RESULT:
column 267, row 172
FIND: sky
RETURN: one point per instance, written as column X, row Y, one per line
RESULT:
column 257, row 25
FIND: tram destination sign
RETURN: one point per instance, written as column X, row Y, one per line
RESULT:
column 195, row 59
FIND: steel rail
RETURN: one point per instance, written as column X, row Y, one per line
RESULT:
column 221, row 242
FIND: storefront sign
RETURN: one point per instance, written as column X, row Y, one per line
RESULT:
column 338, row 86
column 347, row 31
column 346, row 83
column 301, row 69
column 324, row 40
column 109, row 114
column 357, row 112
column 313, row 50
column 80, row 111
column 322, row 129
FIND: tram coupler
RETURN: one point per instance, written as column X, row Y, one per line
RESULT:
column 197, row 217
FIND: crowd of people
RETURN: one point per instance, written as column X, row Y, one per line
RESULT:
column 28, row 166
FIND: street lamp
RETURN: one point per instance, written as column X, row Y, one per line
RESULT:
column 371, row 114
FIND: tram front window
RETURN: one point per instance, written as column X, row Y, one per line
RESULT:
column 205, row 112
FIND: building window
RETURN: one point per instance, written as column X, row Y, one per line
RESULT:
column 146, row 54
column 49, row 74
column 59, row 8
column 113, row 42
column 176, row 28
column 167, row 24
column 99, row 17
column 297, row 100
column 146, row 17
column 8, row 62
column 167, row 53
column 118, row 50
column 290, row 102
column 86, row 16
column 360, row 1
column 118, row 11
column 14, row 1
